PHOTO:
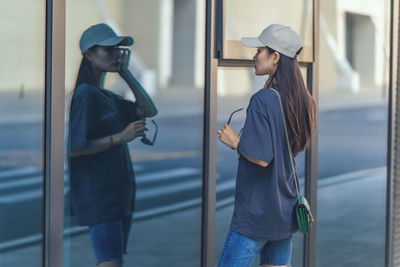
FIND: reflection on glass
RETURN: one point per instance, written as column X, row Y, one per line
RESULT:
column 165, row 191
column 101, row 124
column 353, row 82
column 21, row 122
column 237, row 23
column 235, row 87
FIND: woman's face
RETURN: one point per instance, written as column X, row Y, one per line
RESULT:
column 265, row 63
column 105, row 58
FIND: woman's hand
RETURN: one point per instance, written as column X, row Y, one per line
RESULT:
column 125, row 56
column 131, row 131
column 228, row 136
column 146, row 107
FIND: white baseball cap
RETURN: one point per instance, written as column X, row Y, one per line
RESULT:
column 102, row 34
column 278, row 37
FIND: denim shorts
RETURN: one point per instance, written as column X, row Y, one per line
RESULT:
column 109, row 240
column 240, row 251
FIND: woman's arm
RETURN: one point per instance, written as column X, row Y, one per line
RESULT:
column 132, row 131
column 256, row 161
column 146, row 107
column 229, row 137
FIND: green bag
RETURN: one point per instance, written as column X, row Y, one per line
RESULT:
column 304, row 215
column 303, row 211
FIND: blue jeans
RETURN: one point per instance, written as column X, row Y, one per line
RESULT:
column 109, row 240
column 240, row 251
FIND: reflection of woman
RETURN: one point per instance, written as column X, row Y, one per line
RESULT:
column 264, row 218
column 101, row 124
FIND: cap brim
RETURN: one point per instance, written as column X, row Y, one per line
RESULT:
column 117, row 40
column 252, row 42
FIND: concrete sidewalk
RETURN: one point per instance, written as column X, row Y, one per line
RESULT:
column 351, row 231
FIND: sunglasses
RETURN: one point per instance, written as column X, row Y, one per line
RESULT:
column 146, row 141
column 230, row 117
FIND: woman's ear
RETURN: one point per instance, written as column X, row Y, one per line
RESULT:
column 277, row 56
column 88, row 55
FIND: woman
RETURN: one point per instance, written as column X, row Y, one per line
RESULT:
column 264, row 219
column 101, row 124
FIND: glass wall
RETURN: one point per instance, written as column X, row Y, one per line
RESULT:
column 22, row 27
column 353, row 86
column 235, row 88
column 167, row 59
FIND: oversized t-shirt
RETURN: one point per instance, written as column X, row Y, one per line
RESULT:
column 102, row 184
column 265, row 197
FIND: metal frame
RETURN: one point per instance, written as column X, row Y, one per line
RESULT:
column 53, row 139
column 209, row 141
column 250, row 63
column 391, row 136
column 311, row 171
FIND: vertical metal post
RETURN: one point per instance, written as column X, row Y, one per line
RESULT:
column 311, row 184
column 209, row 142
column 53, row 163
column 392, row 210
column 219, row 28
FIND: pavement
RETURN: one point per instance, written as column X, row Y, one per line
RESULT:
column 350, row 227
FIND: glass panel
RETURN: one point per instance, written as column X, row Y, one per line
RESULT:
column 22, row 27
column 235, row 87
column 353, row 84
column 167, row 59
column 236, row 24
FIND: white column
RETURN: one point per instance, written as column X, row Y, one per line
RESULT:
column 165, row 42
column 199, row 44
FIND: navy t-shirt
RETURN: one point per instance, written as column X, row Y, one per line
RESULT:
column 102, row 184
column 265, row 197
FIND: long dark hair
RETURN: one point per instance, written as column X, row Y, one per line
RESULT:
column 299, row 106
column 85, row 73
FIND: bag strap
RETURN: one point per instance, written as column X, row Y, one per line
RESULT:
column 288, row 144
